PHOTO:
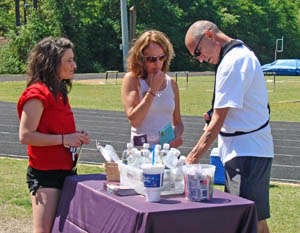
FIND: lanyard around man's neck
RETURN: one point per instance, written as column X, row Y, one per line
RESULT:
column 224, row 50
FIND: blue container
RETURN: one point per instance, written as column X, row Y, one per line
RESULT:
column 220, row 172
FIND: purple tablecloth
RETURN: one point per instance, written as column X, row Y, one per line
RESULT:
column 86, row 207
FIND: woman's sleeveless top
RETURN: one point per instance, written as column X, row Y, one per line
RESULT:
column 159, row 114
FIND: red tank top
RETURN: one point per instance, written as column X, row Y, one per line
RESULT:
column 56, row 118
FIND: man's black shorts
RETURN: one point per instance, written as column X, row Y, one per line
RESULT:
column 46, row 179
column 249, row 177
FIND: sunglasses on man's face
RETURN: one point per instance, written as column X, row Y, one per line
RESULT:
column 153, row 59
column 197, row 52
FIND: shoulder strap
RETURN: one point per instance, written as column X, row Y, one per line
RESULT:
column 224, row 50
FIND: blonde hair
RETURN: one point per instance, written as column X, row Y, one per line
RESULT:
column 135, row 60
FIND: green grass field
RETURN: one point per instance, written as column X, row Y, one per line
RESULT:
column 195, row 96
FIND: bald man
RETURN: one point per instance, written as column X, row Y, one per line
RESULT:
column 239, row 116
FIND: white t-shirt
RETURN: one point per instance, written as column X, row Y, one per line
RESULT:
column 159, row 114
column 240, row 85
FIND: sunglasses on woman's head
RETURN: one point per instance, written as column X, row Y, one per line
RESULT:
column 153, row 59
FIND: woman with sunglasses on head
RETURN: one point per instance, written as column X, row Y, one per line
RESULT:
column 47, row 126
column 150, row 97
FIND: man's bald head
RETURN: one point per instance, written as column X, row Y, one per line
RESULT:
column 197, row 29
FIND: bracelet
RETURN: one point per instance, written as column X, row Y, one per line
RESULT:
column 151, row 93
column 62, row 139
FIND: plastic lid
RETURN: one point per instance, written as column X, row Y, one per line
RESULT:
column 214, row 152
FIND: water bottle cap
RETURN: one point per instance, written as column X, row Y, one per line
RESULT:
column 158, row 146
column 146, row 145
column 176, row 151
column 166, row 146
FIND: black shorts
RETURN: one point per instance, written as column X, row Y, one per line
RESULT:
column 46, row 179
column 249, row 177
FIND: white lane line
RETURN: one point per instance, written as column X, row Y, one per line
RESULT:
column 14, row 156
column 8, row 133
column 285, row 180
column 289, row 166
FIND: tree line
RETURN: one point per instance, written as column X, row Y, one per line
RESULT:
column 94, row 26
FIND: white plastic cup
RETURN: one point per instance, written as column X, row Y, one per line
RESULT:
column 153, row 181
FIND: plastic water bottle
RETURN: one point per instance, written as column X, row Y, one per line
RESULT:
column 111, row 152
column 169, row 182
column 181, row 161
column 157, row 154
column 146, row 153
column 108, row 152
column 165, row 150
column 126, row 153
column 135, row 159
column 176, row 151
column 178, row 175
column 170, row 160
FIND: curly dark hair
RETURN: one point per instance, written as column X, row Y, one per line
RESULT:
column 43, row 63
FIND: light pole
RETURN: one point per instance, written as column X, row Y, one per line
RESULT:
column 124, row 23
column 26, row 6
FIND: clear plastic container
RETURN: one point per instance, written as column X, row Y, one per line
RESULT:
column 133, row 177
column 199, row 181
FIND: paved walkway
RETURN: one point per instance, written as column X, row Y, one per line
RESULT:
column 112, row 127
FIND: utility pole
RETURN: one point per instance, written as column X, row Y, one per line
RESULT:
column 132, row 25
column 35, row 4
column 124, row 23
column 25, row 17
column 17, row 9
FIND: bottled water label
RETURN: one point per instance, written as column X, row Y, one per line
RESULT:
column 197, row 187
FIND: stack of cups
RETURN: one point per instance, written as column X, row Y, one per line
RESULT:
column 153, row 181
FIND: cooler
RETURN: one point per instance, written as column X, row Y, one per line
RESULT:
column 220, row 172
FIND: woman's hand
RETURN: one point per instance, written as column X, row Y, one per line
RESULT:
column 76, row 139
column 156, row 81
column 176, row 142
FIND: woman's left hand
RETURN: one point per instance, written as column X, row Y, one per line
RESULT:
column 84, row 137
column 176, row 142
